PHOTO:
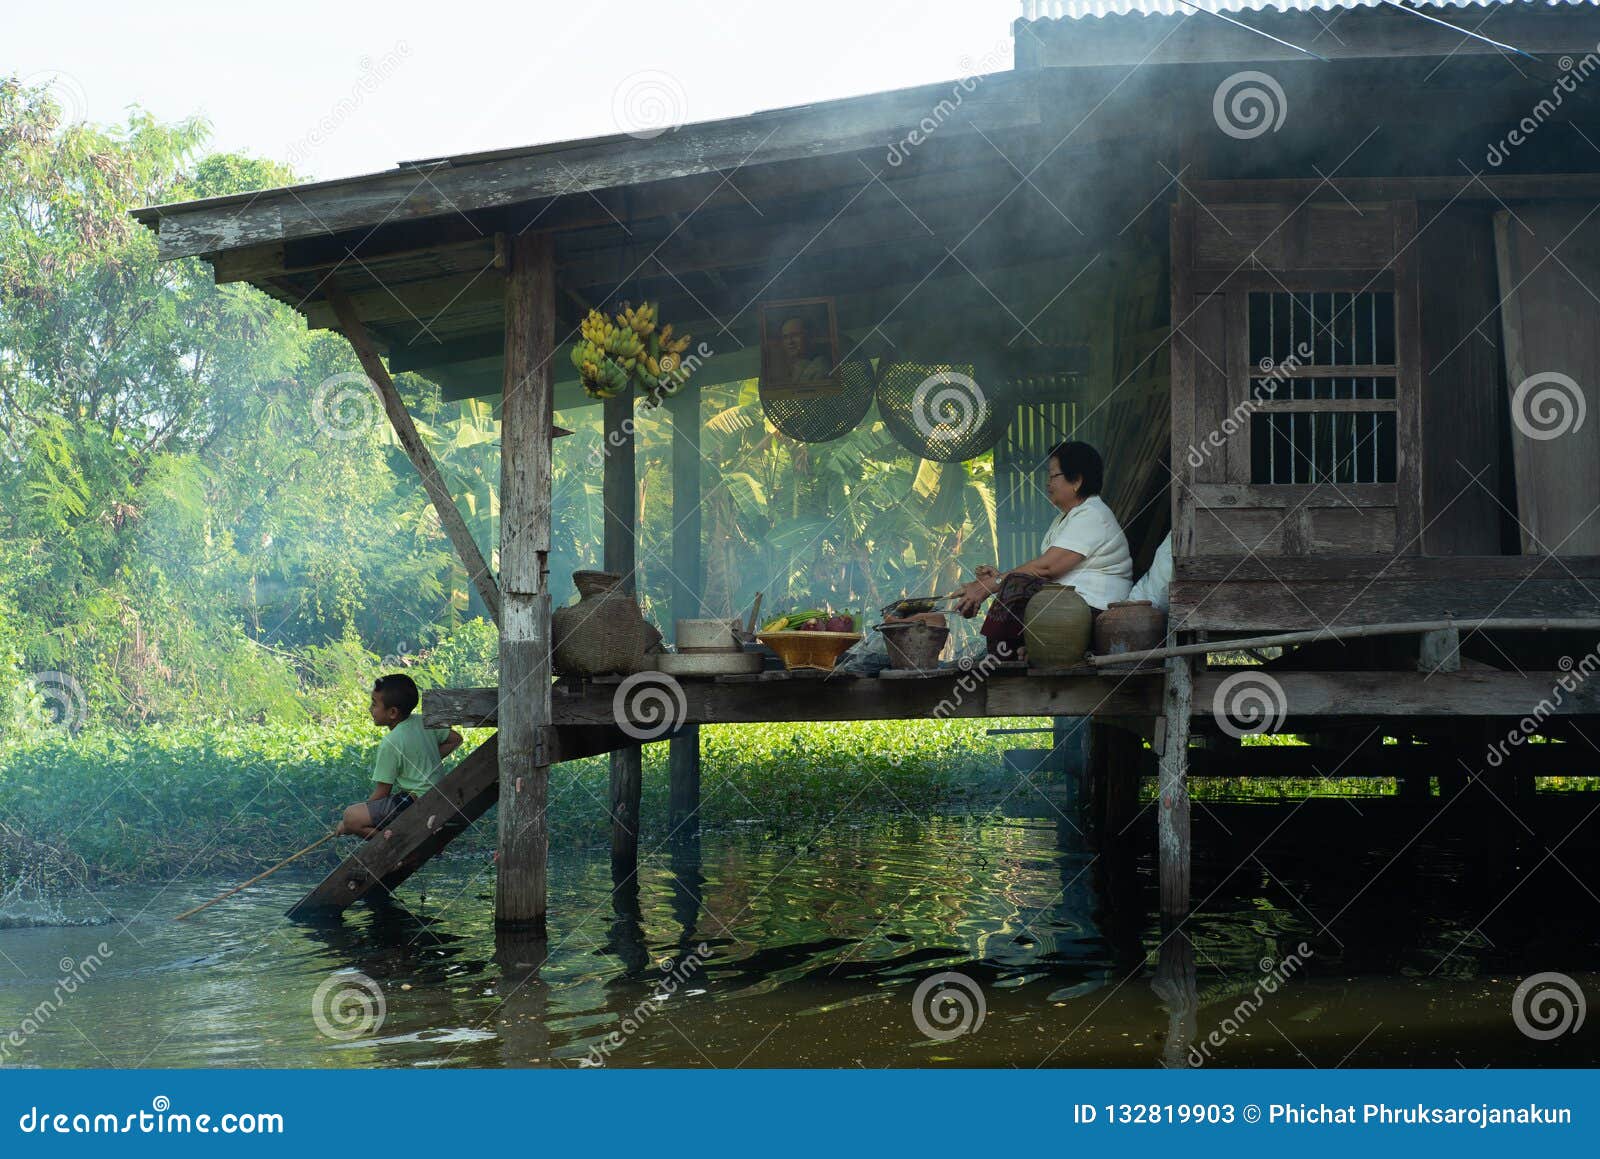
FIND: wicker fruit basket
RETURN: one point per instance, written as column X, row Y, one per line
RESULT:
column 809, row 649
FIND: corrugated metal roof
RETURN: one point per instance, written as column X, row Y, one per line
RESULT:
column 1079, row 9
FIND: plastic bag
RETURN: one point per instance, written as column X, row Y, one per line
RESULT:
column 868, row 656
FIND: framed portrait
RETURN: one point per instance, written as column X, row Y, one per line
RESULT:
column 799, row 348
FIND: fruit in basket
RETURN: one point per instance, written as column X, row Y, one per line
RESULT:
column 810, row 620
column 792, row 621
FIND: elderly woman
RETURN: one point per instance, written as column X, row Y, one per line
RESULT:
column 1084, row 547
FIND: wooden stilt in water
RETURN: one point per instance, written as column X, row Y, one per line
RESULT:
column 683, row 792
column 1172, row 790
column 525, row 461
column 683, row 761
column 1116, row 755
column 620, row 503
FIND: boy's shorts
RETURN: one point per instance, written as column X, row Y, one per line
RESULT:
column 386, row 809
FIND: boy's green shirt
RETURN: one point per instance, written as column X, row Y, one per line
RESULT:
column 408, row 756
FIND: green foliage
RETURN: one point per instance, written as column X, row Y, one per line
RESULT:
column 220, row 795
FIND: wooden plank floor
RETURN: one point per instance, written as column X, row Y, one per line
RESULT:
column 817, row 696
column 1306, row 697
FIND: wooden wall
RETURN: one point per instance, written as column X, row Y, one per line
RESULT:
column 1464, row 414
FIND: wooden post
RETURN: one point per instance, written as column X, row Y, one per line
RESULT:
column 1440, row 651
column 432, row 481
column 1172, row 792
column 683, row 754
column 524, row 698
column 620, row 502
column 1116, row 754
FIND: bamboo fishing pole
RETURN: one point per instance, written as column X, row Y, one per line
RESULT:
column 256, row 878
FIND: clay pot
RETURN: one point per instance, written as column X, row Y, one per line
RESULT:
column 1129, row 626
column 1057, row 627
column 604, row 632
column 914, row 644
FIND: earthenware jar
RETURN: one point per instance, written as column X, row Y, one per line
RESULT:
column 1056, row 628
column 604, row 632
column 1129, row 626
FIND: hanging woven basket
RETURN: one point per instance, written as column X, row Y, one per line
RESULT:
column 947, row 412
column 821, row 417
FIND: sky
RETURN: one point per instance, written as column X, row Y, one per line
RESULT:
column 338, row 89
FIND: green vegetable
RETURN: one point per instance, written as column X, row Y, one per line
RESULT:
column 792, row 620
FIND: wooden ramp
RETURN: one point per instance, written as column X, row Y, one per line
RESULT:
column 395, row 852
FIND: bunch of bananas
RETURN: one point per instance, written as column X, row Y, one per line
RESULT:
column 642, row 321
column 613, row 352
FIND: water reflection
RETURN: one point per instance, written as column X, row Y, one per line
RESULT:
column 763, row 948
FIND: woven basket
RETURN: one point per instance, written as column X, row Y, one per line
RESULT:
column 604, row 632
column 809, row 649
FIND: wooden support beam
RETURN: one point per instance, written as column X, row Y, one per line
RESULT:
column 1172, row 791
column 426, row 301
column 619, row 503
column 416, row 450
column 683, row 755
column 1440, row 650
column 1115, row 765
column 799, row 696
column 1441, row 628
column 524, row 694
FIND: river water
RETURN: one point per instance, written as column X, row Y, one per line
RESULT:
column 1328, row 933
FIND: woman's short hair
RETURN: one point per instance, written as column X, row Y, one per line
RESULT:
column 1080, row 460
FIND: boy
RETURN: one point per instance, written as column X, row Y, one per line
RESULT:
column 408, row 758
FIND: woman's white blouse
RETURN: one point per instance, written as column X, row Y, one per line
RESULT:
column 1090, row 529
